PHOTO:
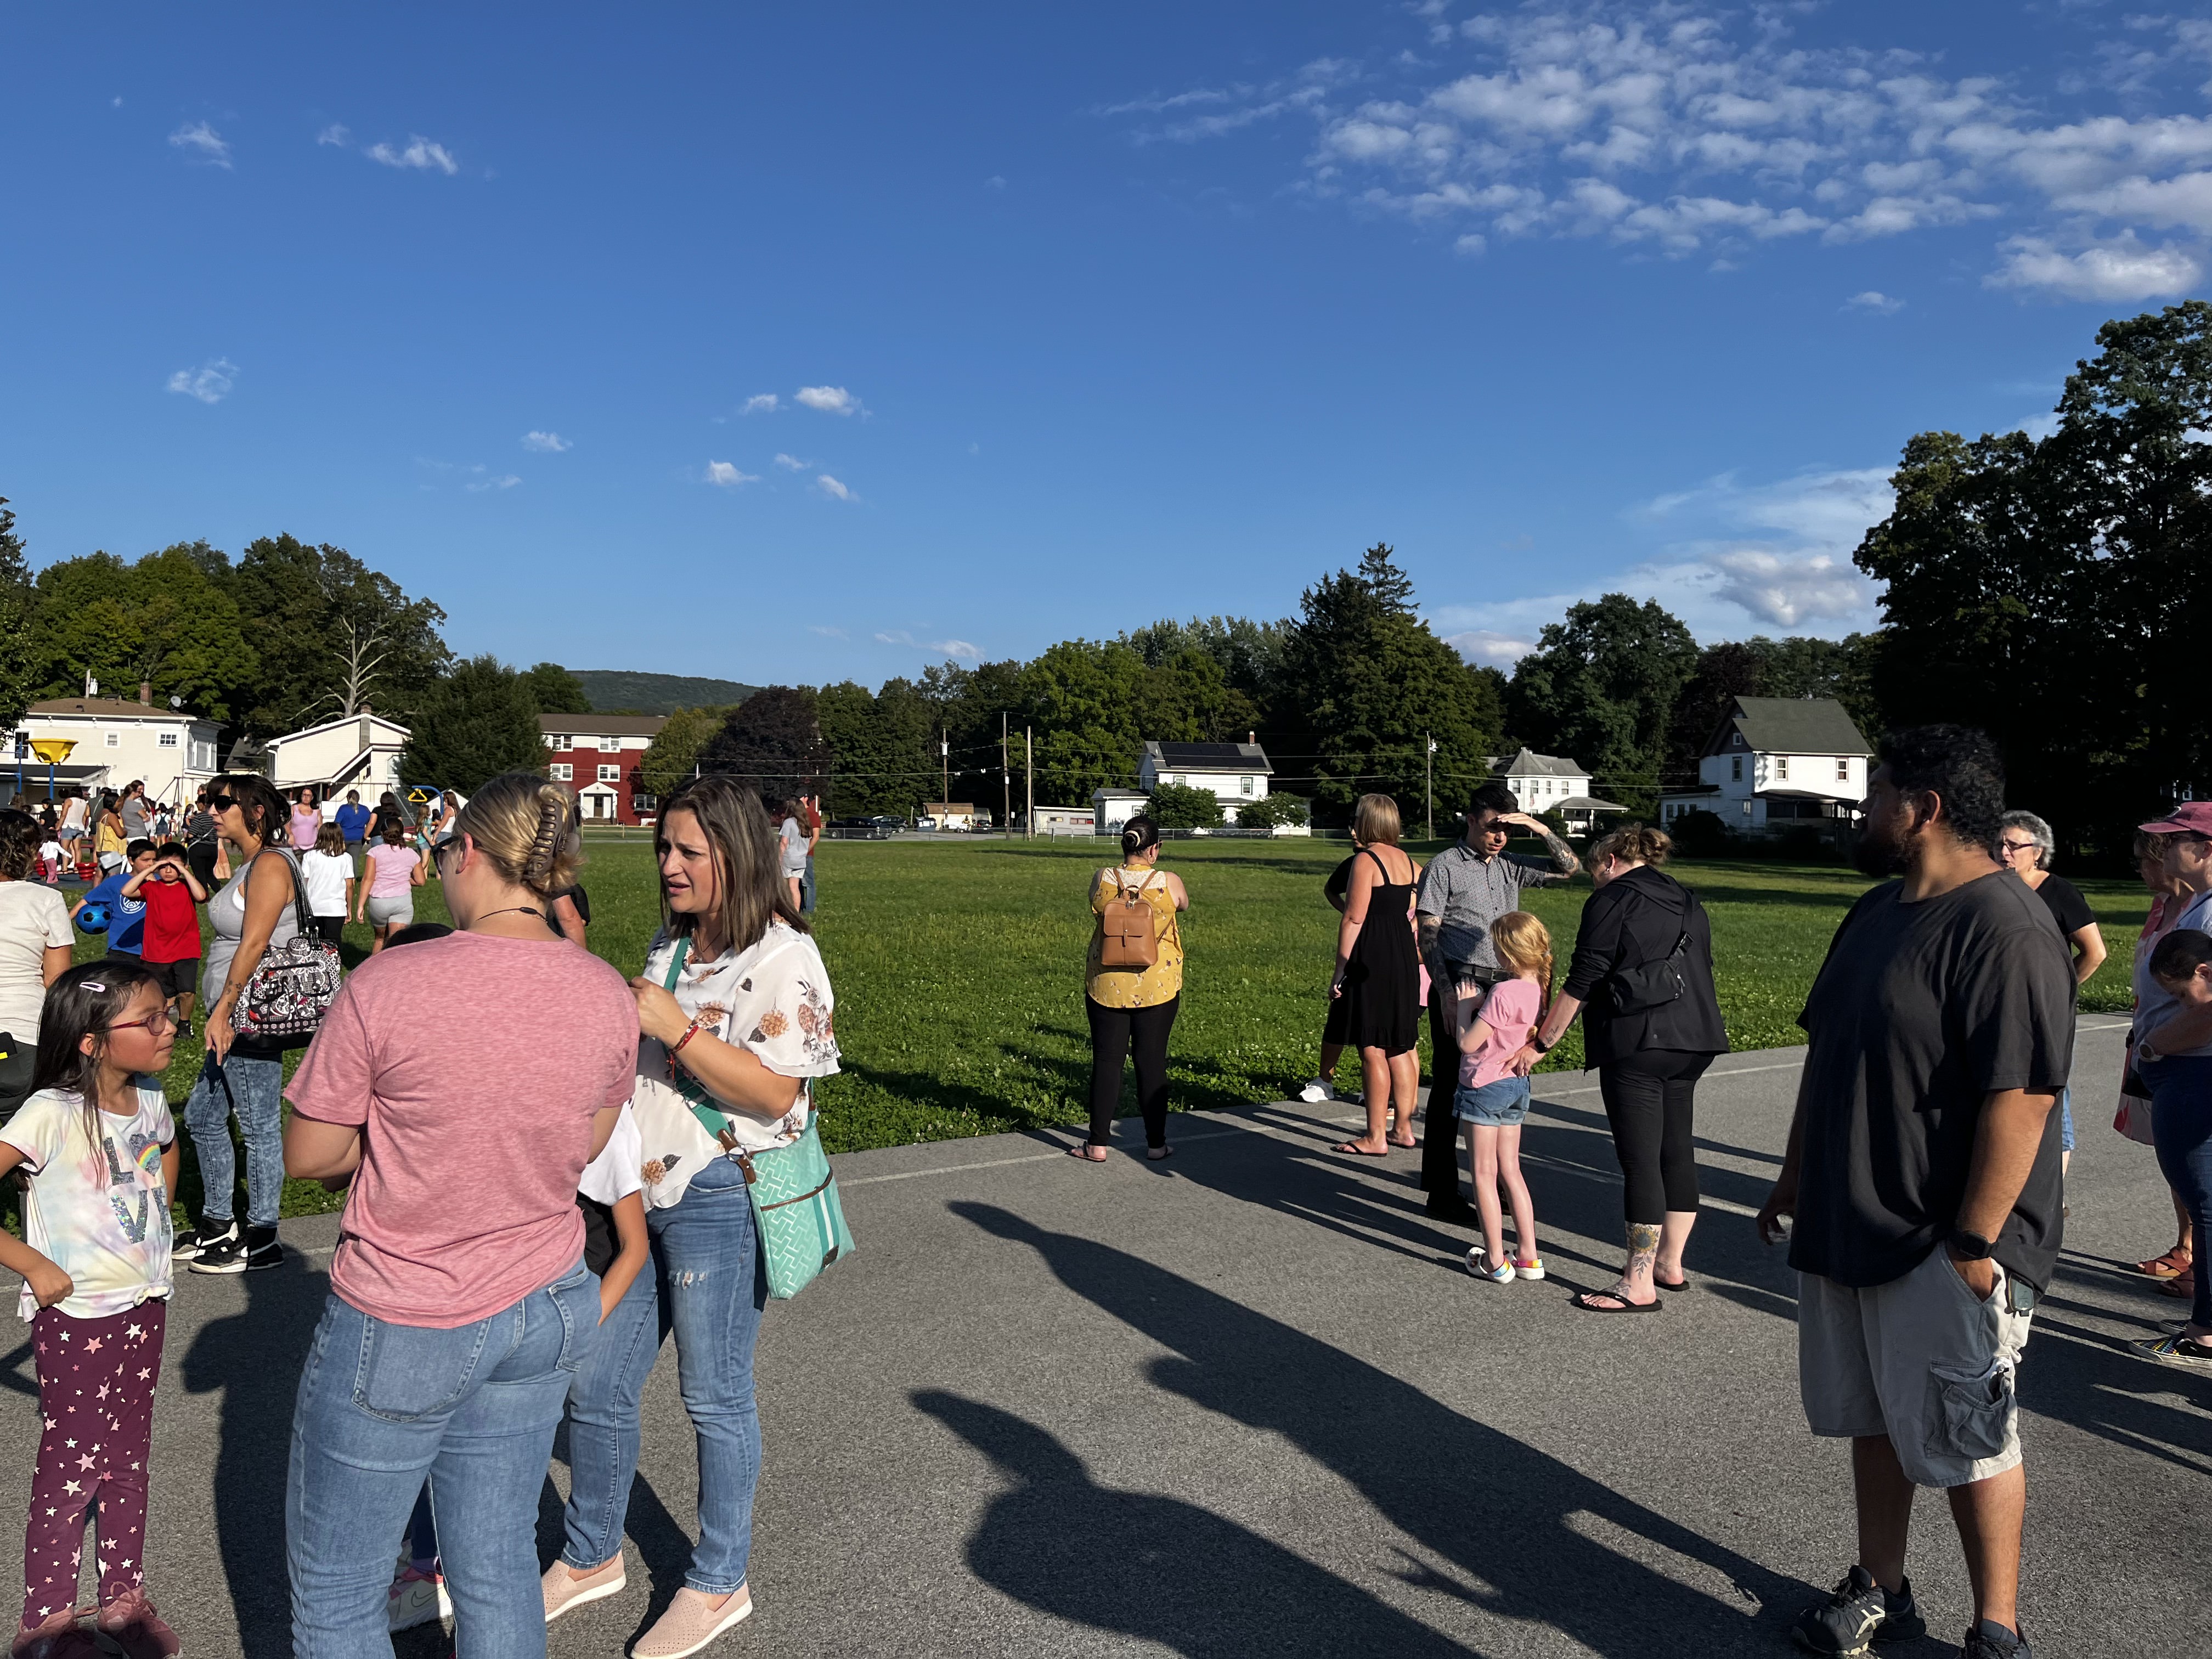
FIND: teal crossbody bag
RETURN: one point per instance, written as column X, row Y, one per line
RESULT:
column 794, row 1192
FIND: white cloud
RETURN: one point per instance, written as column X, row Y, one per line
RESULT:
column 996, row 181
column 1789, row 588
column 728, row 477
column 492, row 481
column 334, row 134
column 957, row 648
column 211, row 382
column 202, row 144
column 1708, row 132
column 793, row 462
column 829, row 399
column 897, row 636
column 2122, row 270
column 830, row 487
column 1491, row 648
column 546, row 443
column 942, row 647
column 1875, row 300
column 827, row 632
column 420, row 155
column 761, row 403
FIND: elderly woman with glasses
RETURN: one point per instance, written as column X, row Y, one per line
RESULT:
column 2025, row 843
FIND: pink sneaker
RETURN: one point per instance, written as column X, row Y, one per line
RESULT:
column 417, row 1598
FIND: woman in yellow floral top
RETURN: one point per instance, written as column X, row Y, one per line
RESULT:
column 1130, row 1008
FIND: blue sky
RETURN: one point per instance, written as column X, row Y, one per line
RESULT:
column 799, row 343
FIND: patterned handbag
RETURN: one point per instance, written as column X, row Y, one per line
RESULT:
column 294, row 983
column 792, row 1188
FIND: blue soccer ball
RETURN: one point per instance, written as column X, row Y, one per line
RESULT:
column 92, row 919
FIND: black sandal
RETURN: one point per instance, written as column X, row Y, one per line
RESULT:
column 1583, row 1301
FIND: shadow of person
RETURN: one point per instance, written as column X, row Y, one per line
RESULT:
column 1153, row 1567
column 1520, row 1521
column 253, row 1359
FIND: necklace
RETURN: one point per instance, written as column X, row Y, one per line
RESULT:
column 512, row 911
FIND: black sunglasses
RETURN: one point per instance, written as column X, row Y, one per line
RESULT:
column 221, row 803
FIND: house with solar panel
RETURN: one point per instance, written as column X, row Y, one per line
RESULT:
column 1235, row 772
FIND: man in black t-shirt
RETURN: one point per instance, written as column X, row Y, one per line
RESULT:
column 1923, row 1176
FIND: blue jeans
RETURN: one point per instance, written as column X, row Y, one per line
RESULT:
column 2065, row 1120
column 807, row 889
column 2181, row 1132
column 709, row 1284
column 254, row 1089
column 474, row 1407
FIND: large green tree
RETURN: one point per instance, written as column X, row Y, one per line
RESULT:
column 478, row 721
column 1600, row 689
column 334, row 637
column 18, row 686
column 882, row 758
column 674, row 752
column 167, row 621
column 1366, row 686
column 555, row 690
column 773, row 741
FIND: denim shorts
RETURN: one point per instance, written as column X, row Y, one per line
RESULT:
column 1499, row 1105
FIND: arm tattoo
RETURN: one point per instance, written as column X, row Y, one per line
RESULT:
column 1562, row 854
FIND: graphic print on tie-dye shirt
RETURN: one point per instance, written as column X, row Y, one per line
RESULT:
column 97, row 1209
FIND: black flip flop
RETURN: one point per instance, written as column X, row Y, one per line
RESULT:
column 1582, row 1301
column 1347, row 1149
column 1681, row 1283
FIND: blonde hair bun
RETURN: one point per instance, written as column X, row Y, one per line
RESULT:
column 527, row 826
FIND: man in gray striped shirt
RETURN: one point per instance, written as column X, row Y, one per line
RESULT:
column 1465, row 888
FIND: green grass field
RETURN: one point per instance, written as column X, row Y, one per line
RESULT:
column 959, row 970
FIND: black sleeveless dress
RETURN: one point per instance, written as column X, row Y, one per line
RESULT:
column 1381, row 994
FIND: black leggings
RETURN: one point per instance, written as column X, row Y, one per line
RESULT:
column 1113, row 1032
column 1648, row 1099
column 332, row 928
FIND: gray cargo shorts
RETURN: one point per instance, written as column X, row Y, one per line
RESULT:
column 1922, row 1359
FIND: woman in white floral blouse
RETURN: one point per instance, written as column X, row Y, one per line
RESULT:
column 735, row 1009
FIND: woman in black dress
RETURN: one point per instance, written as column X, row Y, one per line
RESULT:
column 1378, row 976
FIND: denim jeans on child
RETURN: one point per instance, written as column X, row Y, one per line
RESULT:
column 474, row 1407
column 709, row 1284
column 1500, row 1105
column 2181, row 1131
column 254, row 1089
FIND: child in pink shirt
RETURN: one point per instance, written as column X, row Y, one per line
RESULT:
column 1492, row 1102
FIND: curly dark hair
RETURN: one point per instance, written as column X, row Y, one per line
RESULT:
column 1962, row 768
column 19, row 836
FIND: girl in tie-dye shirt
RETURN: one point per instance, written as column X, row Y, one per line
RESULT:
column 96, row 1141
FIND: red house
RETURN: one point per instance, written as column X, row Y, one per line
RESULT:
column 597, row 756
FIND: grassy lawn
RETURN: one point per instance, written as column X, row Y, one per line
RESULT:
column 958, row 969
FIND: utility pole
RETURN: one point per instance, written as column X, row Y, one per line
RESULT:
column 945, row 752
column 1429, row 785
column 1006, row 778
column 1029, row 786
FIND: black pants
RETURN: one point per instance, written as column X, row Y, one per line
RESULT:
column 332, row 928
column 1114, row 1031
column 1648, row 1100
column 199, row 859
column 1439, row 1129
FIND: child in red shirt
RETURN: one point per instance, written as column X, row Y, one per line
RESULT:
column 173, row 895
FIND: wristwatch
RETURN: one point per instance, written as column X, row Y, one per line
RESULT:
column 1968, row 1247
column 1539, row 1044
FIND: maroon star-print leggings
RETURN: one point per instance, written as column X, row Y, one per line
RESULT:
column 96, row 1380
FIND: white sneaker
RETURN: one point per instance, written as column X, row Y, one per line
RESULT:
column 417, row 1598
column 1317, row 1091
column 1479, row 1264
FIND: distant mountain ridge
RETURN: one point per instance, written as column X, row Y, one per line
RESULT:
column 617, row 691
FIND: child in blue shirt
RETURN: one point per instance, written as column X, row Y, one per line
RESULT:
column 127, row 917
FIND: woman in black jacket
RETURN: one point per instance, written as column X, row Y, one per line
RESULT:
column 1643, row 979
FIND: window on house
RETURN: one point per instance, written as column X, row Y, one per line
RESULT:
column 1243, row 785
column 562, row 771
column 115, row 740
column 610, row 775
column 1736, row 768
column 560, row 742
column 645, row 803
column 1782, row 766
column 169, row 740
column 611, row 745
column 1843, row 771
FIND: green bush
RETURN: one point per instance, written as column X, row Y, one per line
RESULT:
column 1180, row 806
column 1269, row 810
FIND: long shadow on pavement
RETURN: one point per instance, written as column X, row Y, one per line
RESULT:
column 1156, row 1568
column 254, row 1357
column 1502, row 1515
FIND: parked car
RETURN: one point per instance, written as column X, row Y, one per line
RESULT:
column 877, row 829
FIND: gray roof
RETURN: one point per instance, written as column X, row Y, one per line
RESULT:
column 1529, row 764
column 601, row 725
column 1207, row 756
column 1791, row 726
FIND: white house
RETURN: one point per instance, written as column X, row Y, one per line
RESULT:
column 597, row 756
column 1235, row 772
column 1552, row 783
column 113, row 742
column 1112, row 808
column 951, row 814
column 355, row 752
column 1775, row 763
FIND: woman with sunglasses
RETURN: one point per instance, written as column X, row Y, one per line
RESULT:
column 2025, row 843
column 241, row 1076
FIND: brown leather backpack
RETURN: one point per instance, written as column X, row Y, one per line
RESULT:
column 1129, row 939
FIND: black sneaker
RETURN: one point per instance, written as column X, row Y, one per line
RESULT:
column 262, row 1250
column 1989, row 1640
column 222, row 1256
column 1859, row 1613
column 194, row 1242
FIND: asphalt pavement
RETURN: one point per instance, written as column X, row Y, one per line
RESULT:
column 1248, row 1402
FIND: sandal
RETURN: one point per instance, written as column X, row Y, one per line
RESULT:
column 2175, row 1263
column 1159, row 1154
column 1588, row 1300
column 1089, row 1151
column 1352, row 1149
column 1681, row 1283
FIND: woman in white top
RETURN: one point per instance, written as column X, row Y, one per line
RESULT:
column 746, row 1027
column 36, row 945
column 791, row 846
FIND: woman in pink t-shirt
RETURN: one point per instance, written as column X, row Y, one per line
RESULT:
column 307, row 821
column 386, row 900
column 461, row 1088
column 1493, row 1100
